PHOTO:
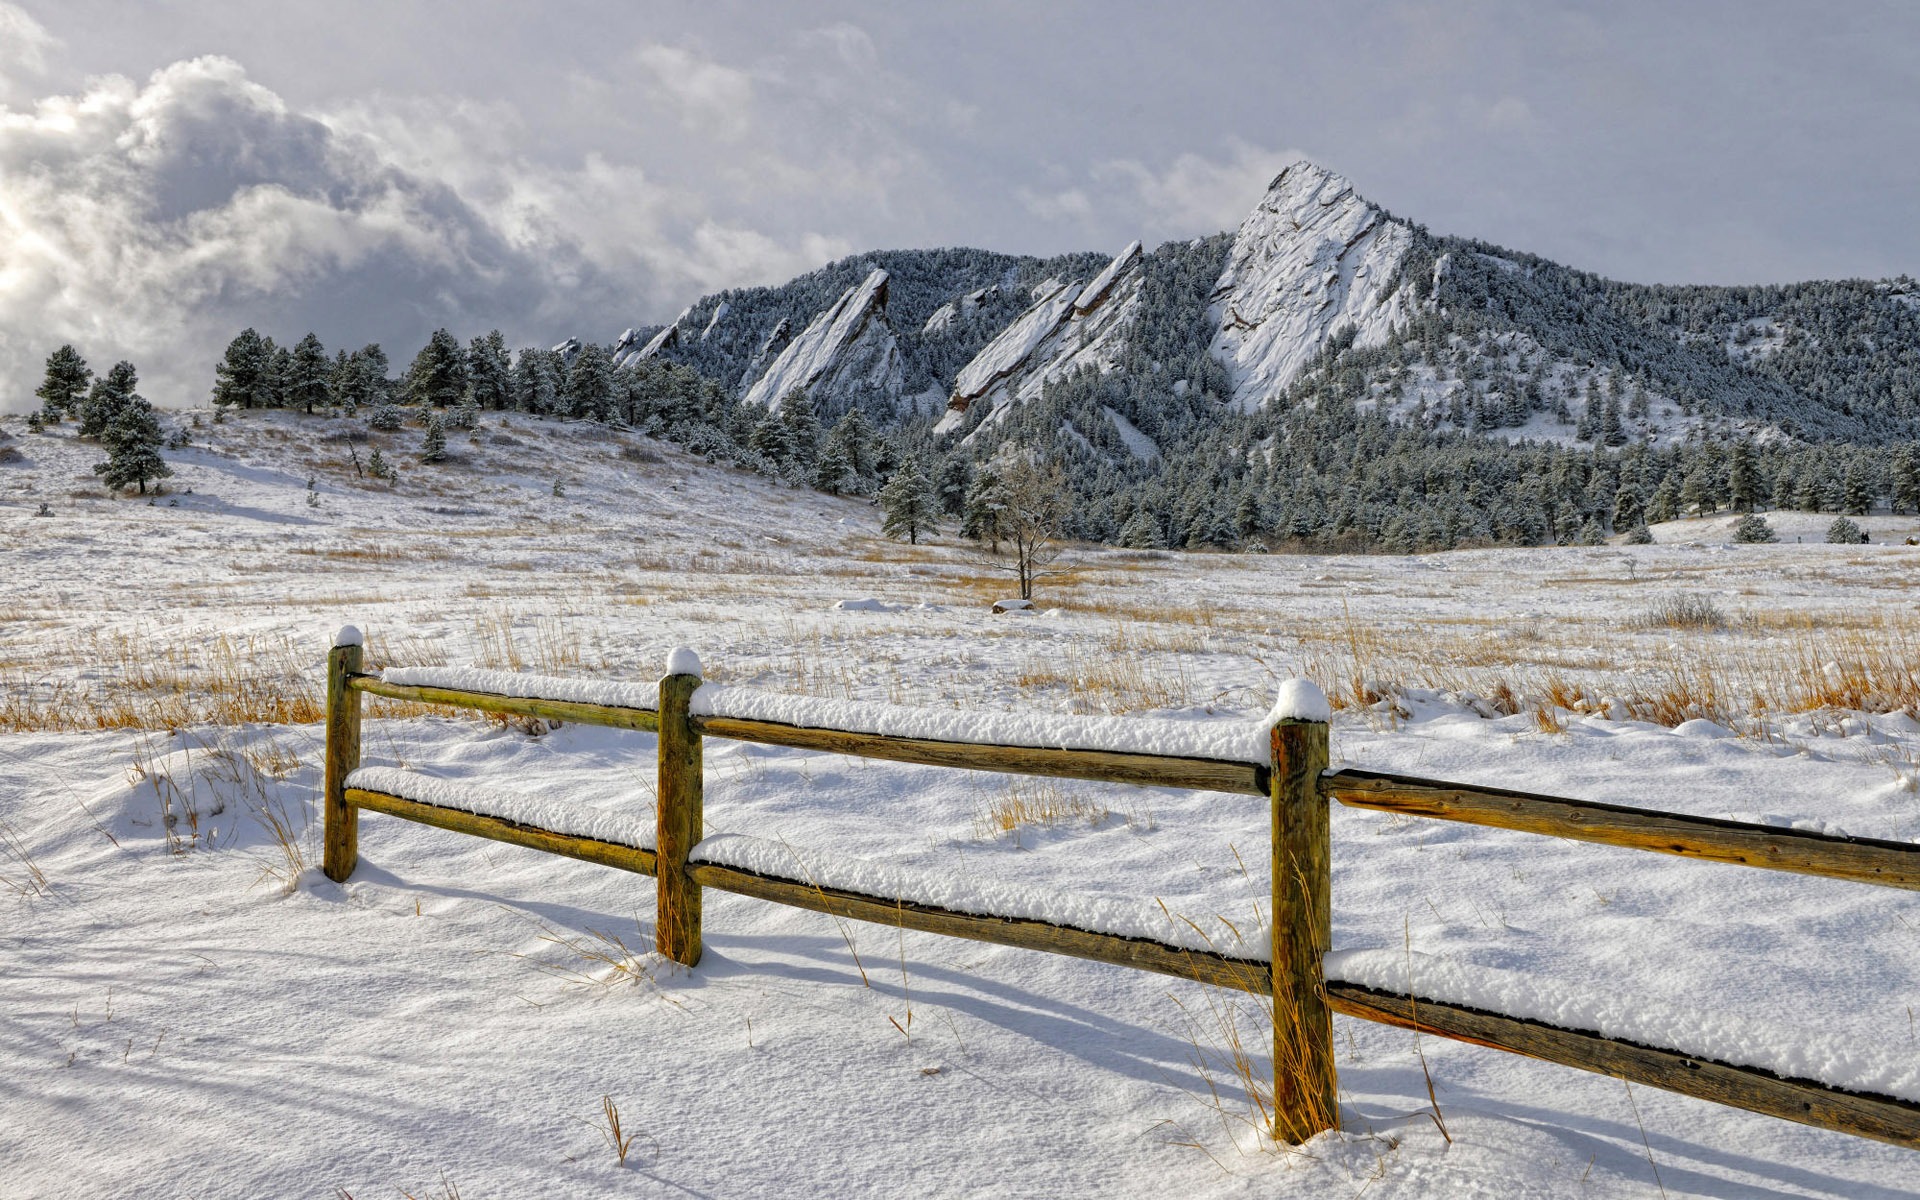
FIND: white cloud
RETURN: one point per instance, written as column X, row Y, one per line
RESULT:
column 153, row 220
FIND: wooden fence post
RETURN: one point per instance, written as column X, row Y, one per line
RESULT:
column 1304, row 1099
column 681, row 823
column 341, row 820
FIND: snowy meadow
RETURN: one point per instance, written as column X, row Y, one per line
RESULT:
column 191, row 1007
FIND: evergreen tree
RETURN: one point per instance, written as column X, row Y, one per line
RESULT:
column 770, row 440
column 490, row 372
column 1665, row 505
column 1627, row 509
column 132, row 438
column 847, row 455
column 275, row 385
column 985, row 503
column 1857, row 491
column 1844, row 532
column 384, row 417
column 1641, row 536
column 536, row 385
column 1141, row 531
column 589, row 392
column 360, row 379
column 835, row 474
column 110, row 395
column 908, row 505
column 1611, row 431
column 65, row 384
column 308, row 372
column 802, row 434
column 1906, row 480
column 438, row 376
column 434, row 449
column 243, row 377
column 956, row 476
column 377, row 465
column 1743, row 485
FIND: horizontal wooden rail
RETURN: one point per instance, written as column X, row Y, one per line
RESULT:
column 613, row 715
column 1247, row 975
column 1882, row 1118
column 1108, row 766
column 501, row 829
column 1297, row 786
column 1862, row 860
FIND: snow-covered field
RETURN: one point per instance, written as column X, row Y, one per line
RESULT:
column 190, row 1008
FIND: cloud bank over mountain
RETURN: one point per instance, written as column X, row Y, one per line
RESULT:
column 153, row 219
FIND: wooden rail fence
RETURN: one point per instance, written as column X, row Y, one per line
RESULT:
column 1295, row 781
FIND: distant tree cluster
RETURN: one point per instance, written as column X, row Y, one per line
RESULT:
column 109, row 411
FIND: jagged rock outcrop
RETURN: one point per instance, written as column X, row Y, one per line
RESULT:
column 1070, row 325
column 775, row 341
column 629, row 350
column 847, row 355
column 1312, row 259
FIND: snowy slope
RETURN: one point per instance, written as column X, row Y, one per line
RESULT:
column 179, row 1023
column 847, row 354
column 1311, row 260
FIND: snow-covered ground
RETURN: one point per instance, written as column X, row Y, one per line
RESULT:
column 190, row 1008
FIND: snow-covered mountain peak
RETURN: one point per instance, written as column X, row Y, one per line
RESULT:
column 1312, row 258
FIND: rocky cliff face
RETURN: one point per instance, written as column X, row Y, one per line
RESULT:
column 1310, row 261
column 847, row 355
column 1070, row 325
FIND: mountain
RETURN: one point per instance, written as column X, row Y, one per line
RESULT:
column 1447, row 333
column 1327, row 375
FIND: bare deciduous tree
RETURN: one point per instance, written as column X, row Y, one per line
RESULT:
column 1033, row 503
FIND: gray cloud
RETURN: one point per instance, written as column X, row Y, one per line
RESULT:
column 152, row 220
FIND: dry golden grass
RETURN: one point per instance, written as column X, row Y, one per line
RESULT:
column 1097, row 680
column 1036, row 802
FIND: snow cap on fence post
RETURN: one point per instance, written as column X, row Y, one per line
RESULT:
column 683, row 661
column 349, row 635
column 1300, row 700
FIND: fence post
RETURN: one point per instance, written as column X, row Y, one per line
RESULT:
column 681, row 823
column 341, row 820
column 1304, row 1100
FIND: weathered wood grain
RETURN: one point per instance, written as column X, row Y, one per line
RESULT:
column 500, row 829
column 1881, row 1118
column 522, row 706
column 340, row 821
column 682, row 823
column 1862, row 860
column 1240, row 974
column 1304, row 1086
column 1150, row 770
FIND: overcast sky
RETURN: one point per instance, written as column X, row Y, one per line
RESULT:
column 371, row 169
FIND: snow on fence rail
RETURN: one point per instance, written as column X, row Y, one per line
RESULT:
column 1284, row 758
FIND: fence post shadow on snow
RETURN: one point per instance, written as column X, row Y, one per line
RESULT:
column 1291, row 774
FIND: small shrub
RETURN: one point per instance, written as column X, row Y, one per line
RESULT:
column 385, row 417
column 1685, row 611
column 1845, row 533
column 1641, row 536
column 1753, row 528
